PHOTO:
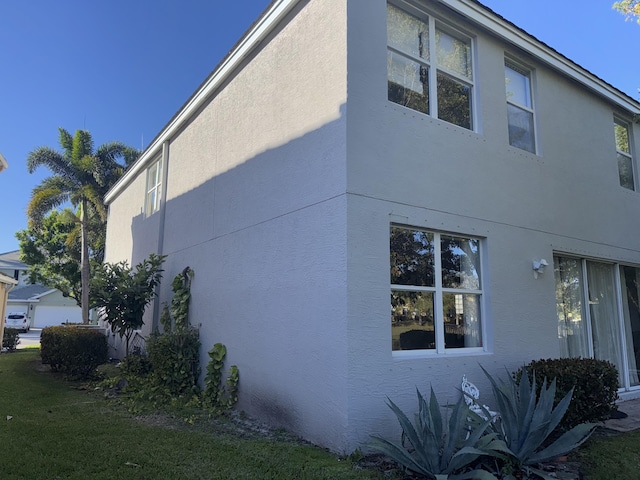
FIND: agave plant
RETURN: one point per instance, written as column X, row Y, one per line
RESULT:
column 527, row 420
column 439, row 451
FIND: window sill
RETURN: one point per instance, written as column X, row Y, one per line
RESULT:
column 453, row 352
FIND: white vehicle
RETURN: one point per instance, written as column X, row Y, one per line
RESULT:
column 18, row 320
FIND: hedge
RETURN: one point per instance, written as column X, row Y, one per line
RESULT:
column 595, row 384
column 73, row 350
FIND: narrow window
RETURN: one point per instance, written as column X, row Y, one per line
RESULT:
column 623, row 153
column 520, row 111
column 429, row 67
column 154, row 188
column 436, row 292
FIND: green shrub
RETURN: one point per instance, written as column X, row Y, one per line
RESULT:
column 594, row 383
column 73, row 350
column 136, row 364
column 175, row 360
column 11, row 339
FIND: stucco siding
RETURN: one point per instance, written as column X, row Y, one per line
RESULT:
column 255, row 204
column 410, row 168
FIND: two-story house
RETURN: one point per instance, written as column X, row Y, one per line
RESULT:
column 369, row 192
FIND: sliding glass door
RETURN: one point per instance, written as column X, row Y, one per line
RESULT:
column 599, row 313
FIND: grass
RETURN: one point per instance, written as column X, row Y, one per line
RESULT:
column 52, row 429
column 613, row 457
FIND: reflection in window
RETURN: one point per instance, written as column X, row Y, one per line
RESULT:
column 623, row 152
column 436, row 291
column 595, row 318
column 432, row 76
column 520, row 112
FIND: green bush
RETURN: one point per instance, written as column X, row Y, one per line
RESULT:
column 136, row 364
column 73, row 350
column 594, row 383
column 175, row 360
column 11, row 339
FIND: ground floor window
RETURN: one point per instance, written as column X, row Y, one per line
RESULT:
column 436, row 290
column 598, row 306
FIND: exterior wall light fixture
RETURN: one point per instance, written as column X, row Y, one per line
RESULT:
column 538, row 267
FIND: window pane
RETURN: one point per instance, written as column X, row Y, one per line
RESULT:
column 454, row 101
column 412, row 260
column 625, row 171
column 521, row 128
column 408, row 82
column 461, row 320
column 460, row 262
column 605, row 329
column 630, row 277
column 572, row 327
column 518, row 87
column 622, row 137
column 453, row 54
column 151, row 202
column 412, row 321
column 407, row 33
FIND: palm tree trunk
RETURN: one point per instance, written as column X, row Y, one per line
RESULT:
column 84, row 260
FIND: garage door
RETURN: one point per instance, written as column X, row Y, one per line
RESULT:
column 47, row 316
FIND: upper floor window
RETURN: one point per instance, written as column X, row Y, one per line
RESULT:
column 154, row 188
column 520, row 107
column 436, row 290
column 623, row 151
column 429, row 67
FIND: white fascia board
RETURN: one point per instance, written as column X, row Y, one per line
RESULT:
column 7, row 279
column 258, row 31
column 513, row 35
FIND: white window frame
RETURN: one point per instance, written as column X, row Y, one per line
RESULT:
column 153, row 195
column 438, row 290
column 432, row 66
column 618, row 121
column 527, row 72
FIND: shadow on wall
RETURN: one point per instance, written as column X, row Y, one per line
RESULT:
column 246, row 234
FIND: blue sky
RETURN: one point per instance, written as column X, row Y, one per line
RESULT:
column 121, row 69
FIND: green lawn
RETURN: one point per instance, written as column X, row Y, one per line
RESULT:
column 609, row 458
column 51, row 429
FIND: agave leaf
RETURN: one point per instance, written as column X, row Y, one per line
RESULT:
column 435, row 415
column 457, row 431
column 538, row 423
column 504, row 397
column 474, row 475
column 399, row 454
column 423, row 451
column 568, row 441
column 560, row 410
column 541, row 473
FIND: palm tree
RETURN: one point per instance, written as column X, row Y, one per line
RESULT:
column 82, row 177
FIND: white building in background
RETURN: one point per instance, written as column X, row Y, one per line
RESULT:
column 363, row 189
column 45, row 306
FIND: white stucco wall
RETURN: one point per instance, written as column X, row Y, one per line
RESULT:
column 406, row 167
column 255, row 204
column 282, row 188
